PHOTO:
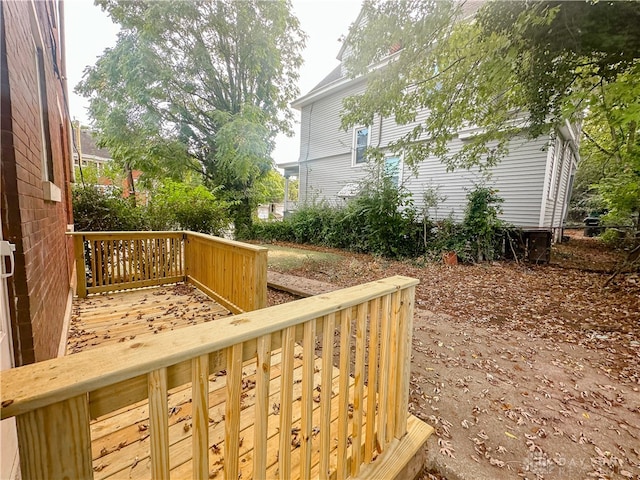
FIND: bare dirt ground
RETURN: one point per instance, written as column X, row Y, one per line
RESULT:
column 525, row 371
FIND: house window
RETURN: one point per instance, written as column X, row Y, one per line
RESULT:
column 47, row 155
column 360, row 144
column 392, row 169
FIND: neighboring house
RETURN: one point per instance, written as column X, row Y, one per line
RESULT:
column 534, row 180
column 35, row 198
column 94, row 157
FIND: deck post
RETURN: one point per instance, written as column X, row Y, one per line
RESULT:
column 55, row 441
column 405, row 333
column 260, row 280
column 81, row 274
column 186, row 253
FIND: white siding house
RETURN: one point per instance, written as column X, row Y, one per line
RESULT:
column 534, row 180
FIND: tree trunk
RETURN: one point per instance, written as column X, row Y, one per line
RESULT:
column 131, row 189
column 242, row 218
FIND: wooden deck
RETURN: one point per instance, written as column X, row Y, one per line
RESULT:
column 103, row 319
column 120, row 440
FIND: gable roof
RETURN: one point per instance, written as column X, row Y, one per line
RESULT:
column 88, row 145
column 468, row 9
column 335, row 74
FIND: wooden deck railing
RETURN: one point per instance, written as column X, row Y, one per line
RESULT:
column 232, row 273
column 55, row 400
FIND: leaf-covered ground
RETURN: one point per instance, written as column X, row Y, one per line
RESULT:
column 525, row 371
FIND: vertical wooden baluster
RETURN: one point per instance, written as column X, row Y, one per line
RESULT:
column 145, row 258
column 129, row 261
column 182, row 248
column 153, row 255
column 328, row 326
column 148, row 258
column 158, row 258
column 135, row 260
column 200, row 416
column 393, row 367
column 343, row 393
column 112, row 262
column 383, row 377
column 100, row 261
column 105, row 261
column 286, row 401
column 232, row 412
column 405, row 332
column 55, row 441
column 126, row 260
column 141, row 264
column 159, row 423
column 93, row 248
column 372, row 379
column 165, row 257
column 170, row 257
column 261, row 427
column 118, row 247
column 111, row 271
column 81, row 274
column 358, row 389
column 306, row 421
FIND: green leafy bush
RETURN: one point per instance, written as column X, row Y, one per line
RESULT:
column 273, row 231
column 381, row 220
column 96, row 209
column 173, row 206
column 177, row 205
column 483, row 229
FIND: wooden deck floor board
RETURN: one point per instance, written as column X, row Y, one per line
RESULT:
column 105, row 319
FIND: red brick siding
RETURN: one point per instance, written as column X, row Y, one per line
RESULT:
column 44, row 259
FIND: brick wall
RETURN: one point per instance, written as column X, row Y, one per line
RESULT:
column 44, row 255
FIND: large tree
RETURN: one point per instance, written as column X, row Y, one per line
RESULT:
column 516, row 68
column 198, row 85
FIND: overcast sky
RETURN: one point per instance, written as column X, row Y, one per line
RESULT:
column 90, row 31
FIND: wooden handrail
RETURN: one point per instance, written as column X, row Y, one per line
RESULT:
column 57, row 398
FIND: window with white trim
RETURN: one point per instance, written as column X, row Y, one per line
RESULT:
column 360, row 144
column 47, row 154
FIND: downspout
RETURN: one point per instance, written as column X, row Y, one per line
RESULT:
column 306, row 165
column 560, row 169
column 65, row 86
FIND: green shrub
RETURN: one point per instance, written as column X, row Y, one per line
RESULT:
column 273, row 231
column 95, row 209
column 381, row 220
column 177, row 205
column 483, row 229
column 448, row 236
column 173, row 206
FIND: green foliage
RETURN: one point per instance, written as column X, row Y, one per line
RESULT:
column 198, row 86
column 614, row 238
column 97, row 209
column 520, row 69
column 183, row 206
column 173, row 206
column 382, row 220
column 448, row 236
column 270, row 188
column 481, row 224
